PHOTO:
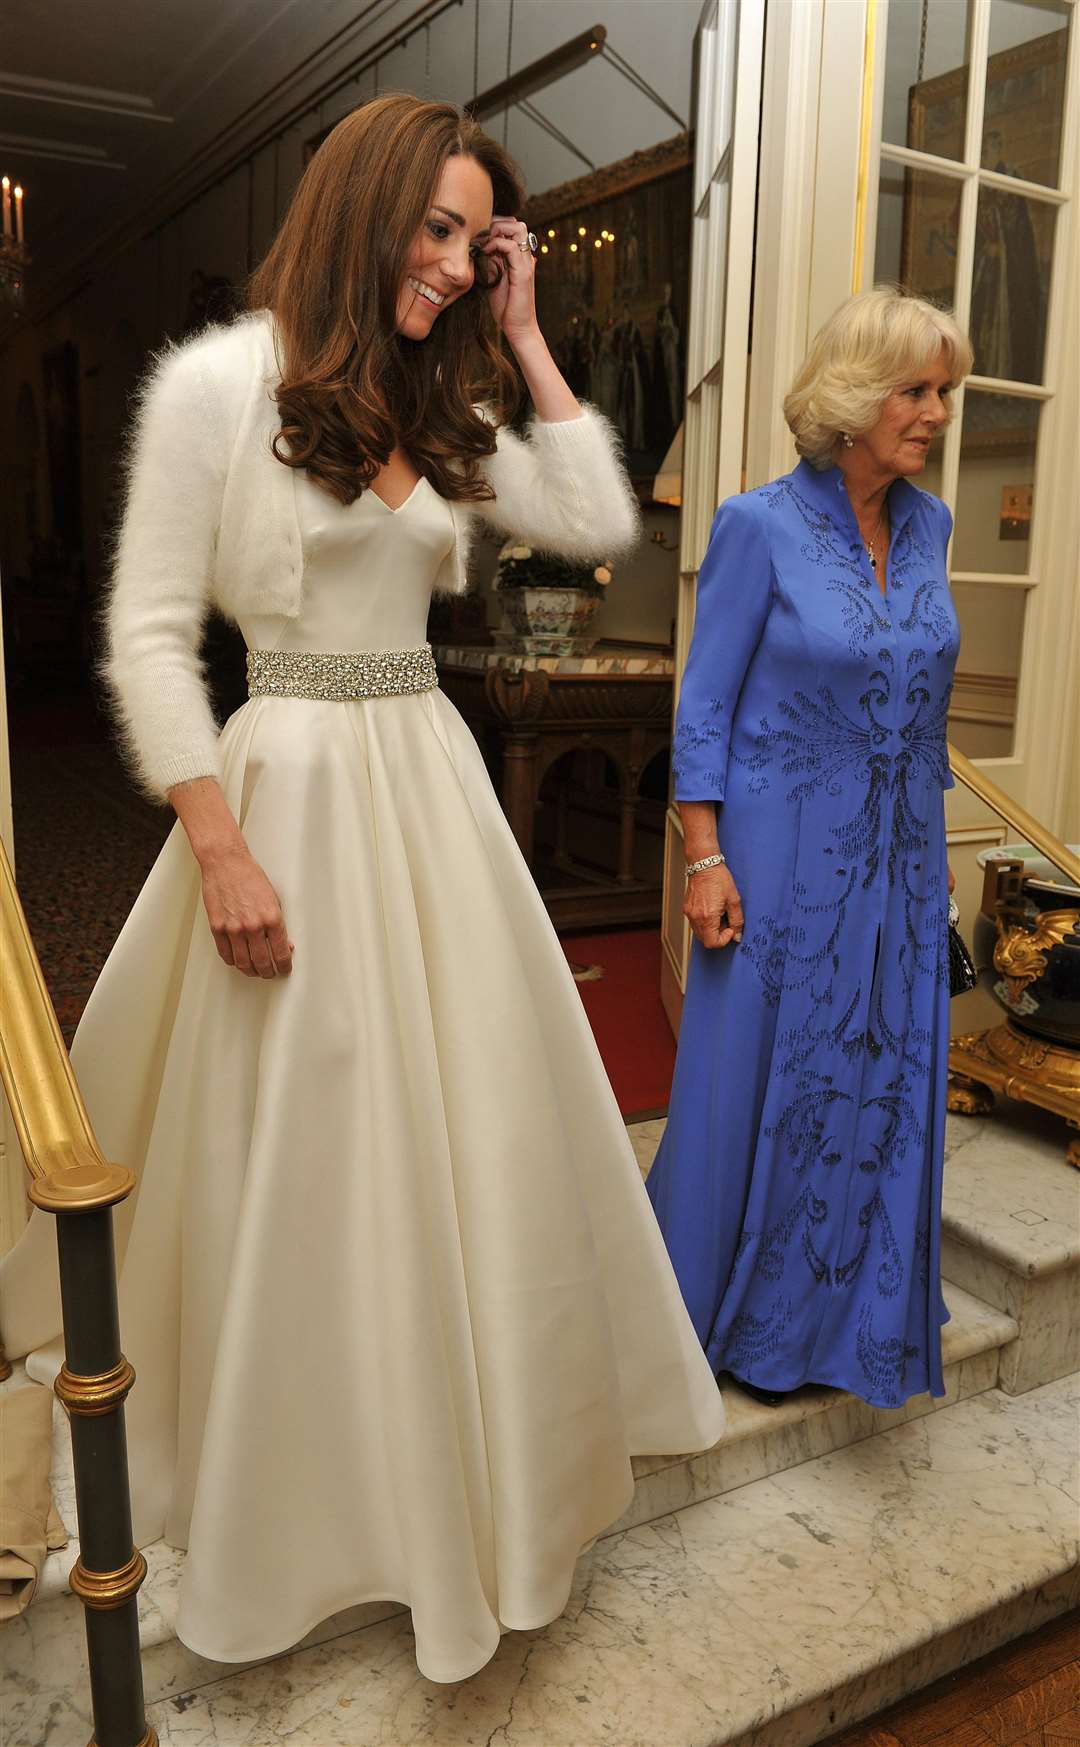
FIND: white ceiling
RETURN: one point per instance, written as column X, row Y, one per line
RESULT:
column 101, row 106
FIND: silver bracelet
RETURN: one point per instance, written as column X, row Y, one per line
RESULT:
column 693, row 867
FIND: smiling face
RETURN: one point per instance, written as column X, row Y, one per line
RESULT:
column 441, row 263
column 910, row 419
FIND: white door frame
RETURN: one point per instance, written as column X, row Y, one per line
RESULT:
column 728, row 62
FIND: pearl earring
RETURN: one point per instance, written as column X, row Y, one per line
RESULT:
column 849, row 442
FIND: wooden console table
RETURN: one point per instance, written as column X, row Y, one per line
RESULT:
column 539, row 707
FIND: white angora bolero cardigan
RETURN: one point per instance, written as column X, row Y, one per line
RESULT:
column 210, row 519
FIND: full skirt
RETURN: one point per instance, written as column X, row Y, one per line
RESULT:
column 398, row 1305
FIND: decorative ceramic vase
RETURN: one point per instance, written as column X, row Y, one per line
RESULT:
column 1033, row 944
column 547, row 621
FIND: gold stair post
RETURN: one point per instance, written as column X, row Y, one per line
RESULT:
column 71, row 1179
column 1006, row 1058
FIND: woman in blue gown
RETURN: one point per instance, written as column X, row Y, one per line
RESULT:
column 798, row 1184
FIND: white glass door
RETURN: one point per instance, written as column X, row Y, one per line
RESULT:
column 970, row 201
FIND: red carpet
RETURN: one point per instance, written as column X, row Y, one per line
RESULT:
column 627, row 1016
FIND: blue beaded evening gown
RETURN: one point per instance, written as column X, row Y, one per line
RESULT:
column 798, row 1184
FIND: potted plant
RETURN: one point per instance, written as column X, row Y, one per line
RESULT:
column 548, row 603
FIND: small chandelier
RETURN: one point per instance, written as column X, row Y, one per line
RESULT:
column 14, row 259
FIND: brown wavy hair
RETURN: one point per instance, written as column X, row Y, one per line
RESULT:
column 352, row 388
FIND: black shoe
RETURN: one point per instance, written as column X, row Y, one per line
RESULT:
column 767, row 1397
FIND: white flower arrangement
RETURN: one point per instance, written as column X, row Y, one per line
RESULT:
column 521, row 566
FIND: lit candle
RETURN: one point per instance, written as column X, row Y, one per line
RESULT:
column 7, row 208
column 18, row 215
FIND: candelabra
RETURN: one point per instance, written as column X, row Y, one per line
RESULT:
column 14, row 258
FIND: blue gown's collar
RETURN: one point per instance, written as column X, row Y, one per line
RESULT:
column 826, row 487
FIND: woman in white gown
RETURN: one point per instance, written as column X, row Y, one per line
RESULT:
column 397, row 1302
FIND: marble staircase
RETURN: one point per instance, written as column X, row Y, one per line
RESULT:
column 823, row 1559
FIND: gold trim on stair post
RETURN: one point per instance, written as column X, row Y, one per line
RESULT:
column 93, row 1395
column 108, row 1589
column 150, row 1739
column 72, row 1180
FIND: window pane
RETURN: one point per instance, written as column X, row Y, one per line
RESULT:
column 1014, row 246
column 926, row 76
column 982, row 711
column 1025, row 89
column 917, row 224
column 997, row 470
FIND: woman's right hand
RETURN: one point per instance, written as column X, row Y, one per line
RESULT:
column 244, row 914
column 713, row 907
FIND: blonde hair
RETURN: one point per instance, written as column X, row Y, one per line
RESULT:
column 872, row 343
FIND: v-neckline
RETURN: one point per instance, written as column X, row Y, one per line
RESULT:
column 396, row 509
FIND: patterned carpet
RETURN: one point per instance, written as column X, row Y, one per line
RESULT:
column 84, row 843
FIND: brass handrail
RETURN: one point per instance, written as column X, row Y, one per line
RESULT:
column 70, row 1177
column 66, row 1165
column 1014, row 814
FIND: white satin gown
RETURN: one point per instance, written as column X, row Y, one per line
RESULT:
column 398, row 1306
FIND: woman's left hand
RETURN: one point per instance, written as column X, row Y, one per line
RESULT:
column 952, row 880
column 513, row 299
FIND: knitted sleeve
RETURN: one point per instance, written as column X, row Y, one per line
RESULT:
column 161, row 578
column 563, row 488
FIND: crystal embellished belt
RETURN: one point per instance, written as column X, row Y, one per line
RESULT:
column 370, row 673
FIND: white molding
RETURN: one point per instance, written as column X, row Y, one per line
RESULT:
column 88, row 157
column 972, row 834
column 958, row 171
column 994, row 578
column 912, row 158
column 974, row 718
column 1008, row 385
column 1019, row 185
column 788, row 147
column 836, row 158
column 60, row 95
column 739, row 255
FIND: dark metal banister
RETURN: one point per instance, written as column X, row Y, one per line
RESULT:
column 70, row 1178
column 1014, row 814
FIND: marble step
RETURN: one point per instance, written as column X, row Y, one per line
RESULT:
column 758, row 1441
column 1011, row 1233
column 769, row 1616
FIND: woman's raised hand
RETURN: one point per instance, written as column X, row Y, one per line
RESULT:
column 713, row 907
column 513, row 299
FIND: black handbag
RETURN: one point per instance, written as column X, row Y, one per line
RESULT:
column 962, row 973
